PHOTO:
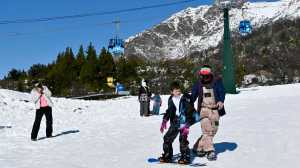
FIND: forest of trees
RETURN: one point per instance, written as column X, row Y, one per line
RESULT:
column 75, row 74
column 86, row 72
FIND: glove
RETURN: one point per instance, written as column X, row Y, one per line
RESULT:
column 163, row 126
column 196, row 117
column 220, row 105
column 185, row 130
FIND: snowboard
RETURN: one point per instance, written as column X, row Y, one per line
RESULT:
column 156, row 161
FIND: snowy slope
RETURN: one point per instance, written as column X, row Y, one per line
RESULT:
column 261, row 129
column 196, row 29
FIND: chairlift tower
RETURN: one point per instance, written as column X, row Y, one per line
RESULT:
column 228, row 70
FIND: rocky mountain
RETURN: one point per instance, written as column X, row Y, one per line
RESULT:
column 194, row 30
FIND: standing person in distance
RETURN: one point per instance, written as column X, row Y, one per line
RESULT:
column 144, row 99
column 41, row 97
column 157, row 101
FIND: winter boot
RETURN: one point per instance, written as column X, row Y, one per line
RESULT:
column 165, row 158
column 201, row 153
column 184, row 160
column 211, row 156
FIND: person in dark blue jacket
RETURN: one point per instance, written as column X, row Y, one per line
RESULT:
column 179, row 112
column 157, row 101
column 211, row 95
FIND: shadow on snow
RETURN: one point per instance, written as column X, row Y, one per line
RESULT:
column 3, row 127
column 224, row 146
column 62, row 133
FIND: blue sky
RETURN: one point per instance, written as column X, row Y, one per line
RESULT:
column 40, row 42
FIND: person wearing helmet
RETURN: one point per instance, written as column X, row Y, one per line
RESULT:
column 210, row 93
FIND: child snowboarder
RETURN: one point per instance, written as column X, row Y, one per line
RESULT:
column 211, row 95
column 179, row 113
column 157, row 103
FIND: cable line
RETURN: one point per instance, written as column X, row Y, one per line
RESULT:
column 75, row 27
column 35, row 20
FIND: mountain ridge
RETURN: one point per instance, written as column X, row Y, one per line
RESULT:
column 197, row 29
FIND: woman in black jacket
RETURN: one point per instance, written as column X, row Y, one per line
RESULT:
column 144, row 99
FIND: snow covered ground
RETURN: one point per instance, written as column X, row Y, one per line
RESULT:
column 261, row 129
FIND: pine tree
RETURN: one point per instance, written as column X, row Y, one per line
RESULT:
column 69, row 56
column 106, row 63
column 80, row 61
column 92, row 55
column 126, row 71
column 38, row 71
column 62, row 73
column 14, row 74
column 89, row 72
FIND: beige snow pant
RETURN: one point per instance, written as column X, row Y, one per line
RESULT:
column 209, row 122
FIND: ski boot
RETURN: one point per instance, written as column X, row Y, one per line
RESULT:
column 211, row 156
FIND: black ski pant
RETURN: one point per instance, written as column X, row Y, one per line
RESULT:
column 38, row 118
column 169, row 138
column 144, row 108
